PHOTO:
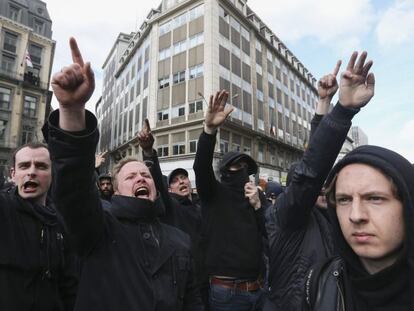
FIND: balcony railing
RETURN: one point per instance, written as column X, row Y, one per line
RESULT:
column 28, row 79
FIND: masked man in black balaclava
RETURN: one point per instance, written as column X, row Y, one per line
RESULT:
column 232, row 216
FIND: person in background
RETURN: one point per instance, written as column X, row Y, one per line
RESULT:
column 37, row 269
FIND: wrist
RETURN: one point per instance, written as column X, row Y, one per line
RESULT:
column 211, row 130
column 147, row 152
column 72, row 120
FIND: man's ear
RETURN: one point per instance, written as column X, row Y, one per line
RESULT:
column 12, row 173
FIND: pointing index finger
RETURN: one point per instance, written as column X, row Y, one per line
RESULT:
column 147, row 125
column 336, row 70
column 76, row 54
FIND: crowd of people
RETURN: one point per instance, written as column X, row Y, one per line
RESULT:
column 336, row 237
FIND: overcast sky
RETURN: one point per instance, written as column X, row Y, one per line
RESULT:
column 318, row 32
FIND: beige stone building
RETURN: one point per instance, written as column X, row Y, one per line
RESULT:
column 183, row 52
column 24, row 96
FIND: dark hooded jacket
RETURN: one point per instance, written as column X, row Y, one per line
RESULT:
column 232, row 228
column 37, row 270
column 130, row 261
column 342, row 283
column 299, row 233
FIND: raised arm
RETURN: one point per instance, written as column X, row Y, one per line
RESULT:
column 355, row 91
column 146, row 142
column 217, row 113
column 327, row 87
column 72, row 136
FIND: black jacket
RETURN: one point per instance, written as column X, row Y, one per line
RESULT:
column 37, row 270
column 180, row 211
column 233, row 229
column 299, row 234
column 130, row 261
column 356, row 290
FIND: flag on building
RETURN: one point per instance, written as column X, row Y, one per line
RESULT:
column 272, row 129
column 28, row 59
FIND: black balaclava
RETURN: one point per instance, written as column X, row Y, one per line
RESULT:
column 393, row 285
column 237, row 179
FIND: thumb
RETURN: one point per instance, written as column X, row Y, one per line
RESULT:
column 371, row 81
column 90, row 76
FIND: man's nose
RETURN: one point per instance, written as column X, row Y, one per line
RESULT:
column 358, row 212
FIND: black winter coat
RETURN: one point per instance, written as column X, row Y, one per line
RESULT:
column 130, row 261
column 299, row 234
column 37, row 270
column 233, row 229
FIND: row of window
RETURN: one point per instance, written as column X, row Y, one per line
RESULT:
column 182, row 19
column 177, row 149
column 178, row 77
column 181, row 46
column 15, row 13
column 179, row 111
column 29, row 104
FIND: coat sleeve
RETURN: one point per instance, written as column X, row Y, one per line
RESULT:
column 74, row 189
column 203, row 167
column 293, row 207
column 169, row 216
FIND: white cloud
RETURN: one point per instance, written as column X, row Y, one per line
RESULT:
column 396, row 25
column 393, row 133
column 330, row 22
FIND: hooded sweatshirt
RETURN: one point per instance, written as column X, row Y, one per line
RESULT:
column 232, row 227
column 391, row 288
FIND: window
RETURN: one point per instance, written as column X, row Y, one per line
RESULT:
column 38, row 26
column 193, row 146
column 10, row 42
column 163, row 115
column 14, row 13
column 162, row 151
column 27, row 134
column 165, row 53
column 196, row 12
column 196, row 106
column 30, row 106
column 224, row 145
column 5, row 98
column 164, row 28
column 3, row 127
column 35, row 54
column 177, row 111
column 178, row 148
column 258, row 46
column 179, row 77
column 196, row 40
column 164, row 82
column 224, row 15
column 196, row 71
column 180, row 47
column 180, row 20
column 260, row 153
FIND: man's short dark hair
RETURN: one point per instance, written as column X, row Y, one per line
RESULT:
column 31, row 145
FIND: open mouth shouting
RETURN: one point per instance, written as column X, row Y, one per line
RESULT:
column 142, row 192
column 30, row 186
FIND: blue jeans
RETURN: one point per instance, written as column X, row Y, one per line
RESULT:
column 230, row 299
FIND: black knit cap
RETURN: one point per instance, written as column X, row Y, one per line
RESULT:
column 233, row 157
column 401, row 172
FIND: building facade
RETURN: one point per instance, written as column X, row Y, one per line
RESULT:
column 27, row 52
column 359, row 136
column 185, row 51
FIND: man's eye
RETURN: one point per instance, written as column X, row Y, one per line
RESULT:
column 375, row 199
column 342, row 200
